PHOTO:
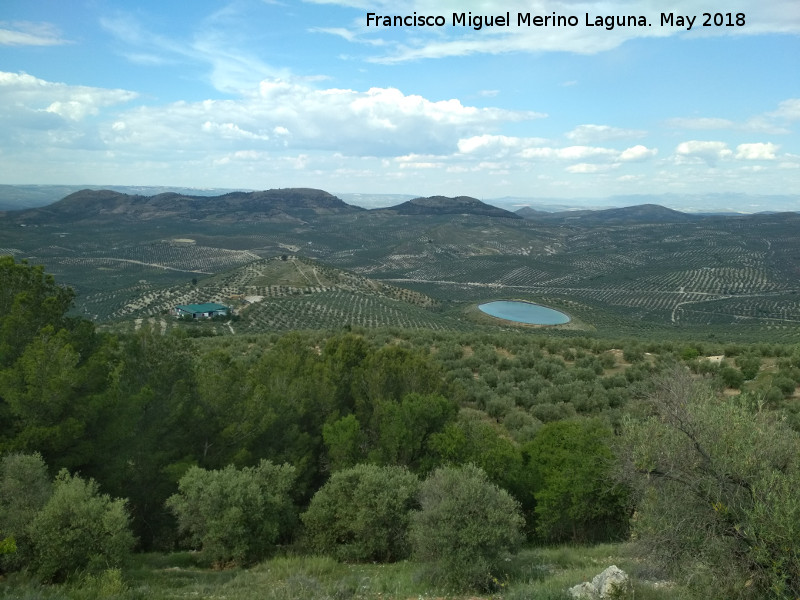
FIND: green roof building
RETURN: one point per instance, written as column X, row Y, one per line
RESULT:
column 201, row 311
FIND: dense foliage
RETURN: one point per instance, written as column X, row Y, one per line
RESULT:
column 716, row 484
column 235, row 515
column 362, row 514
column 62, row 527
column 576, row 498
column 465, row 526
column 79, row 528
column 25, row 488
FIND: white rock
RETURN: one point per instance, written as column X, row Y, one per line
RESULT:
column 584, row 591
column 611, row 584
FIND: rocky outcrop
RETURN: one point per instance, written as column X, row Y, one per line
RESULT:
column 611, row 584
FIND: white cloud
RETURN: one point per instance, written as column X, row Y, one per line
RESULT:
column 25, row 33
column 788, row 110
column 773, row 122
column 757, row 151
column 376, row 122
column 24, row 96
column 538, row 153
column 637, row 153
column 588, row 168
column 497, row 145
column 700, row 123
column 347, row 34
column 584, row 152
column 231, row 131
column 230, row 69
column 583, row 134
column 533, row 149
column 708, row 152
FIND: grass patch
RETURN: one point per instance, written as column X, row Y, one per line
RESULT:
column 531, row 574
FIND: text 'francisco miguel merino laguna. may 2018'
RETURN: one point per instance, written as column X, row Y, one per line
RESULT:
column 608, row 22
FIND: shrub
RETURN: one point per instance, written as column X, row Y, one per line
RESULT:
column 521, row 425
column 235, row 516
column 362, row 514
column 731, row 376
column 79, row 528
column 574, row 499
column 24, row 489
column 464, row 526
column 716, row 483
column 749, row 364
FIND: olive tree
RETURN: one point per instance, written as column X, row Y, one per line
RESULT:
column 362, row 513
column 464, row 526
column 235, row 516
column 716, row 485
column 79, row 529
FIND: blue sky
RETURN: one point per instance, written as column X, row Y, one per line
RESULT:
column 263, row 94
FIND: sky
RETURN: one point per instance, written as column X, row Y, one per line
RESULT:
column 260, row 94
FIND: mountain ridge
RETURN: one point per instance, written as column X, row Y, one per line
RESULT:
column 444, row 205
column 276, row 205
column 642, row 213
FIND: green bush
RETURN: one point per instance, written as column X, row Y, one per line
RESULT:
column 716, row 484
column 464, row 527
column 362, row 514
column 235, row 516
column 731, row 376
column 8, row 545
column 575, row 501
column 749, row 364
column 79, row 528
column 24, row 489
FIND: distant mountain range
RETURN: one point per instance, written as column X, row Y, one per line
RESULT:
column 281, row 205
column 17, row 197
column 292, row 205
column 303, row 205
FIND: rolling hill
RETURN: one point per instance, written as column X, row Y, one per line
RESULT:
column 642, row 213
column 292, row 205
column 441, row 205
column 283, row 293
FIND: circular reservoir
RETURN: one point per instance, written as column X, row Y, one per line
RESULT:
column 523, row 312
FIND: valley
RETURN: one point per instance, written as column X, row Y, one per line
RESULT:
column 637, row 271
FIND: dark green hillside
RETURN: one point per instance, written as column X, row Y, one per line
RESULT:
column 526, row 212
column 19, row 197
column 441, row 205
column 293, row 205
